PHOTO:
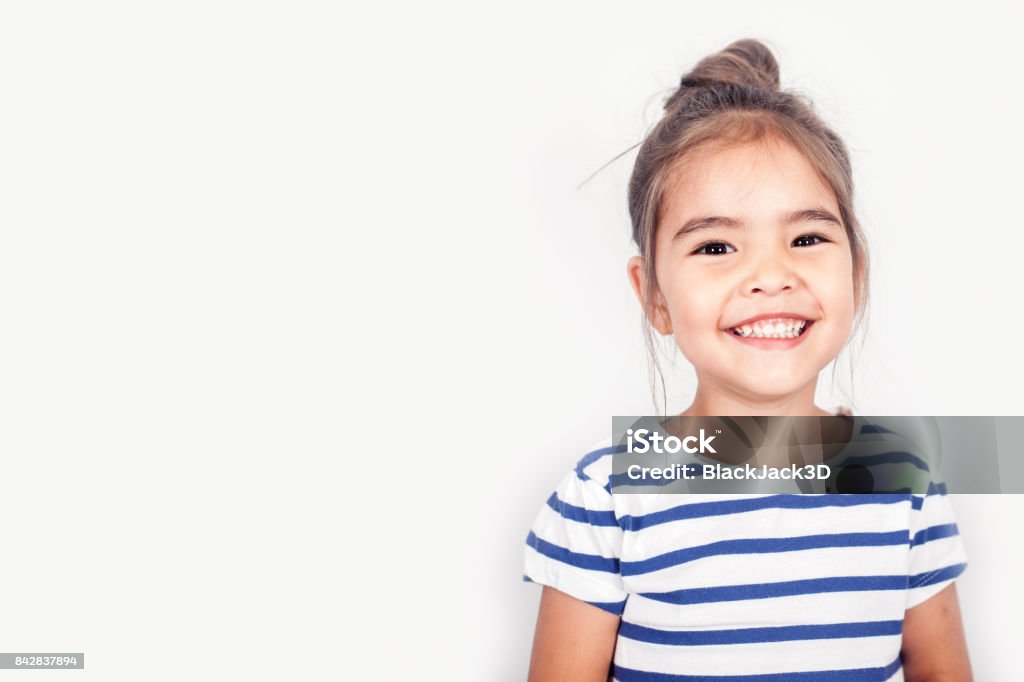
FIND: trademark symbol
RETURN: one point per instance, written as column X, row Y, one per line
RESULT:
column 718, row 430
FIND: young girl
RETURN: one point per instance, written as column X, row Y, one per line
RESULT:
column 752, row 259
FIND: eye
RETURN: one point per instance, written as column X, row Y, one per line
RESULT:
column 809, row 240
column 713, row 249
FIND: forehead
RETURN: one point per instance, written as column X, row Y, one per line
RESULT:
column 749, row 181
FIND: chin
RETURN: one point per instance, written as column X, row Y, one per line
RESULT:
column 773, row 385
column 759, row 394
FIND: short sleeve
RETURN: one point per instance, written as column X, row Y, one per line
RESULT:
column 937, row 554
column 575, row 543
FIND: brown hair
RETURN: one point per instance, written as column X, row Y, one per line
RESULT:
column 733, row 97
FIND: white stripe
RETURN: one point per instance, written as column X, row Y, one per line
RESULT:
column 578, row 536
column 751, row 659
column 746, row 569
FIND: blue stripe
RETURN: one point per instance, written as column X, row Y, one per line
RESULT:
column 725, row 507
column 582, row 514
column 896, row 457
column 853, row 583
column 916, row 502
column 947, row 530
column 875, row 428
column 853, row 675
column 764, row 546
column 592, row 457
column 786, row 633
column 937, row 576
column 613, row 607
column 593, row 562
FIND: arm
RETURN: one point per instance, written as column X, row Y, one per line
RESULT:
column 573, row 641
column 934, row 649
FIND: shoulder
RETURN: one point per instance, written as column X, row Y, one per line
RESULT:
column 596, row 465
column 902, row 453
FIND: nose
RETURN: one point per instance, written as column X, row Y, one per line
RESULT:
column 770, row 275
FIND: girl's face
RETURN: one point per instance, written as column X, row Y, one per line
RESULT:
column 754, row 270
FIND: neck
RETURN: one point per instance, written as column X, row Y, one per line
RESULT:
column 713, row 399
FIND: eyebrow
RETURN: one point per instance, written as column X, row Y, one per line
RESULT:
column 812, row 214
column 706, row 223
column 803, row 215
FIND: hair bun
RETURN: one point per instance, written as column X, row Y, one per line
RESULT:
column 745, row 62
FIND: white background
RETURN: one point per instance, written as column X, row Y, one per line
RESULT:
column 252, row 251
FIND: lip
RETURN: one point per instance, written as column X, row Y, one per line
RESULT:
column 772, row 344
column 768, row 316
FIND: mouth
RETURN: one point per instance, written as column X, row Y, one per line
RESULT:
column 776, row 333
column 773, row 328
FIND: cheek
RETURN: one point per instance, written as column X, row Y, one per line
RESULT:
column 835, row 289
column 695, row 303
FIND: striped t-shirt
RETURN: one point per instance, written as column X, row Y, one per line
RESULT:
column 745, row 588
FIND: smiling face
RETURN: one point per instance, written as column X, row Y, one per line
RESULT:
column 754, row 271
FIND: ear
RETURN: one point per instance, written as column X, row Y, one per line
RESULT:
column 657, row 312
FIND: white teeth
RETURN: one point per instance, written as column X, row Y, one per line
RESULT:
column 772, row 329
